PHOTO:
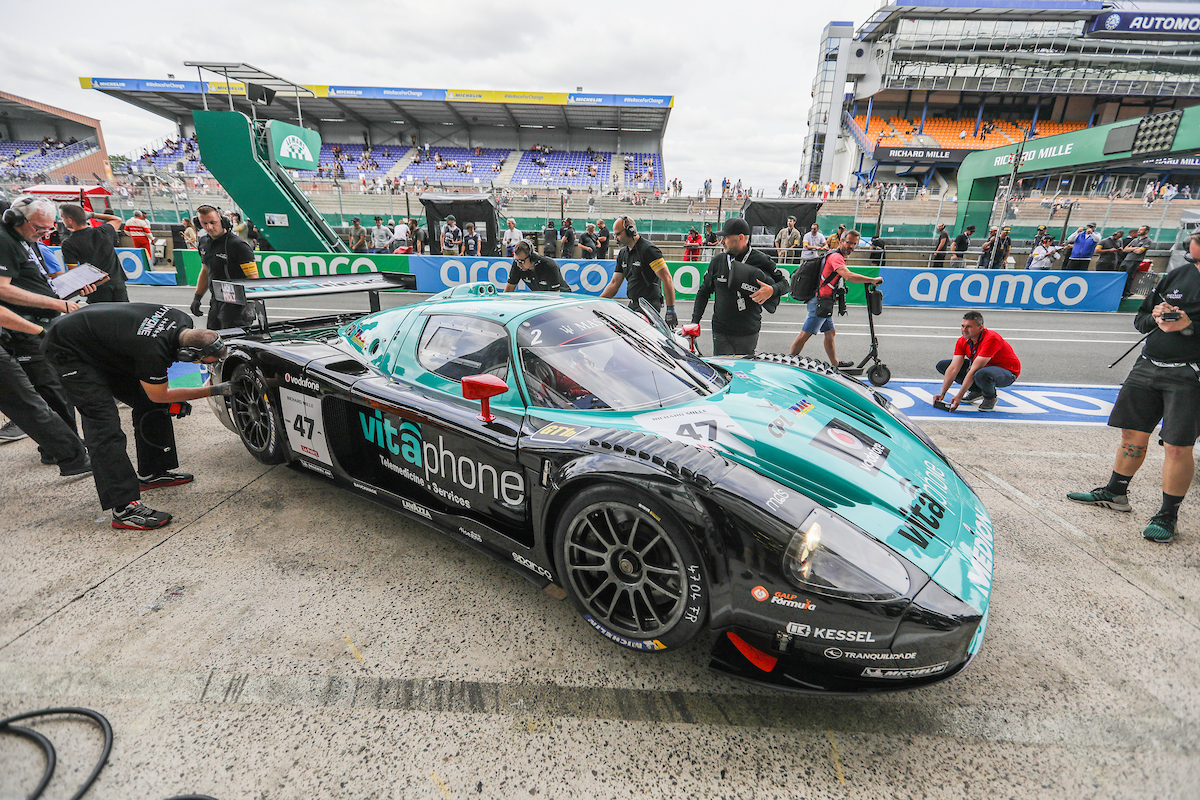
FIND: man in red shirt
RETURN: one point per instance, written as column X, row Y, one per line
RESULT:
column 983, row 362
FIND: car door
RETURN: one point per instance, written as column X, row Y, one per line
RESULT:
column 419, row 433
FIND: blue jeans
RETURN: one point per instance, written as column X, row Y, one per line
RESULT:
column 987, row 380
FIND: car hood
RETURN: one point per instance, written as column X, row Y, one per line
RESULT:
column 834, row 443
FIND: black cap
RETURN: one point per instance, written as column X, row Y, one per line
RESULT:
column 735, row 226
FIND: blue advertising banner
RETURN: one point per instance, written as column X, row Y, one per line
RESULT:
column 1022, row 403
column 133, row 261
column 437, row 273
column 1002, row 288
column 1135, row 23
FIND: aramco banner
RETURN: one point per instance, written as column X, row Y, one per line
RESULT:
column 1003, row 288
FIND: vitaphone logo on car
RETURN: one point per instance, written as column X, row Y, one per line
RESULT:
column 1090, row 291
column 435, row 467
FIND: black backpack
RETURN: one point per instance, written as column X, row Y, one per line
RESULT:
column 806, row 279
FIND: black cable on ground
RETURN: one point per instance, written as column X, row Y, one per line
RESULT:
column 47, row 749
column 5, row 726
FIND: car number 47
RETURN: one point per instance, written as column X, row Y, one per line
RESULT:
column 704, row 430
column 301, row 421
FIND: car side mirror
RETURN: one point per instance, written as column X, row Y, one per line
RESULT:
column 483, row 387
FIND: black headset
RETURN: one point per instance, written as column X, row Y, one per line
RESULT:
column 226, row 222
column 197, row 353
column 13, row 218
column 630, row 228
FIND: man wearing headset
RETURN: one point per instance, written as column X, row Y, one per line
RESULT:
column 121, row 351
column 227, row 257
column 642, row 264
column 540, row 273
column 25, row 290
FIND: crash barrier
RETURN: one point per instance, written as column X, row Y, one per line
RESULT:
column 1026, row 289
column 133, row 261
column 275, row 264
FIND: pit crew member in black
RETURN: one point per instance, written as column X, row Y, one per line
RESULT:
column 25, row 291
column 121, row 351
column 540, row 273
column 226, row 257
column 744, row 280
column 95, row 246
column 1164, row 384
column 642, row 264
column 27, row 409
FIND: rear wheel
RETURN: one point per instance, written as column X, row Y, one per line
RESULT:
column 631, row 569
column 255, row 417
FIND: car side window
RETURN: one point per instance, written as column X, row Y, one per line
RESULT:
column 456, row 346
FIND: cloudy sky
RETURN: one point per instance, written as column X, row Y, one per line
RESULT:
column 741, row 73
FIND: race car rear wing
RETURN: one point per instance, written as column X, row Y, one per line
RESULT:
column 251, row 292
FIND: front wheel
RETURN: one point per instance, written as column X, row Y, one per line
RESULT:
column 879, row 374
column 255, row 417
column 631, row 569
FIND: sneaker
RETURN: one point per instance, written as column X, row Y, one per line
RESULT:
column 989, row 403
column 80, row 466
column 137, row 517
column 1161, row 528
column 11, row 432
column 844, row 364
column 48, row 461
column 972, row 396
column 164, row 479
column 1102, row 497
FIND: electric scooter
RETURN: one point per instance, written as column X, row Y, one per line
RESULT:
column 878, row 373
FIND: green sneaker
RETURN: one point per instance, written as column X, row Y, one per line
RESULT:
column 1102, row 497
column 1160, row 529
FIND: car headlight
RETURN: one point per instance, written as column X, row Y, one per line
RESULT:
column 829, row 556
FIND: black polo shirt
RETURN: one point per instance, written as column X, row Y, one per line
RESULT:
column 961, row 243
column 1181, row 288
column 21, row 262
column 588, row 240
column 602, row 246
column 542, row 275
column 96, row 246
column 1107, row 262
column 138, row 339
column 225, row 256
column 637, row 264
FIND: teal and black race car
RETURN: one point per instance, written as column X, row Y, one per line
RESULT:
column 817, row 532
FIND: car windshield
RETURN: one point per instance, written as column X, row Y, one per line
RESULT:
column 603, row 356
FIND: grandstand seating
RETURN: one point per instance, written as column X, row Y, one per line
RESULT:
column 353, row 152
column 481, row 165
column 636, row 167
column 948, row 132
column 560, row 161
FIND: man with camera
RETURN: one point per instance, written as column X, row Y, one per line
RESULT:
column 225, row 258
column 1163, row 386
column 744, row 281
column 983, row 362
column 831, row 292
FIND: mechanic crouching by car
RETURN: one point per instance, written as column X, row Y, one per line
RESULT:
column 744, row 281
column 226, row 257
column 642, row 264
column 983, row 362
column 1163, row 385
column 121, row 351
column 540, row 273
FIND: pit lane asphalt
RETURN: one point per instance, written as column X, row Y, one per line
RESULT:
column 283, row 639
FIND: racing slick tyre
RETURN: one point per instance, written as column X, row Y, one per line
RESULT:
column 630, row 568
column 879, row 374
column 255, row 417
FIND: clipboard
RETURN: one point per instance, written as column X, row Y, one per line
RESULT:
column 71, row 282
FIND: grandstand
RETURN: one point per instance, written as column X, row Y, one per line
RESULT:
column 932, row 82
column 503, row 126
column 75, row 146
